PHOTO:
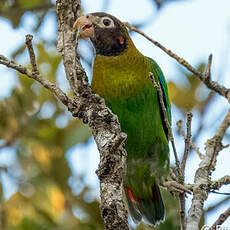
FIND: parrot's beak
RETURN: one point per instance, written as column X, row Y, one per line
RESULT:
column 85, row 24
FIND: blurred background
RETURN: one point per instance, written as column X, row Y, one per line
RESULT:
column 48, row 159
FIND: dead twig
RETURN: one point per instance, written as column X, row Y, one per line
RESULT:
column 174, row 186
column 208, row 69
column 217, row 205
column 47, row 84
column 30, row 48
column 192, row 145
column 183, row 164
column 187, row 143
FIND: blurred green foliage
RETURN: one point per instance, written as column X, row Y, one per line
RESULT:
column 44, row 199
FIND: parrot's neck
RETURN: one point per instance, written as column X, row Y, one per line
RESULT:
column 120, row 76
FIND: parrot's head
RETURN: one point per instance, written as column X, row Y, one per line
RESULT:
column 108, row 35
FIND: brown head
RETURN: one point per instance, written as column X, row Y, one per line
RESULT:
column 108, row 35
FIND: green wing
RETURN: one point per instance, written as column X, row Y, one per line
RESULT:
column 157, row 72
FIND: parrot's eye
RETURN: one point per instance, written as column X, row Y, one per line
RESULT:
column 106, row 22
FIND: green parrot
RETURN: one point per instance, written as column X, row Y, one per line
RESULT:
column 121, row 77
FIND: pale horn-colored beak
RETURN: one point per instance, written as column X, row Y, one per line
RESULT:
column 85, row 24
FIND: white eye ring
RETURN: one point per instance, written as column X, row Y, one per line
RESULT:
column 106, row 22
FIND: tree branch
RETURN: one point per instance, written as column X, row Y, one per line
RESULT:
column 192, row 145
column 222, row 218
column 217, row 205
column 47, row 84
column 187, row 143
column 183, row 164
column 30, row 48
column 222, row 181
column 202, row 176
column 205, row 78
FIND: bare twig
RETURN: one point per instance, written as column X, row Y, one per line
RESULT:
column 30, row 48
column 159, row 92
column 183, row 163
column 217, row 140
column 222, row 218
column 208, row 69
column 218, row 184
column 47, row 84
column 187, row 143
column 182, row 211
column 174, row 186
column 203, row 77
column 192, row 145
column 217, row 205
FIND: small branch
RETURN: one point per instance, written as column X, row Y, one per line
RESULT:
column 192, row 145
column 47, row 84
column 217, row 205
column 187, row 143
column 30, row 48
column 216, row 141
column 224, row 126
column 205, row 78
column 218, row 184
column 208, row 69
column 182, row 211
column 174, row 186
column 222, row 218
column 159, row 92
column 183, row 164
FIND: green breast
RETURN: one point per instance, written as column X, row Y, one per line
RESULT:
column 129, row 93
column 139, row 117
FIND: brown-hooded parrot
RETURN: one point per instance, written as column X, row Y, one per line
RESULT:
column 121, row 77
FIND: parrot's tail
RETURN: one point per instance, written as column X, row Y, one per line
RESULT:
column 150, row 208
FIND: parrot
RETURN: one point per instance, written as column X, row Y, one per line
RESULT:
column 121, row 77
